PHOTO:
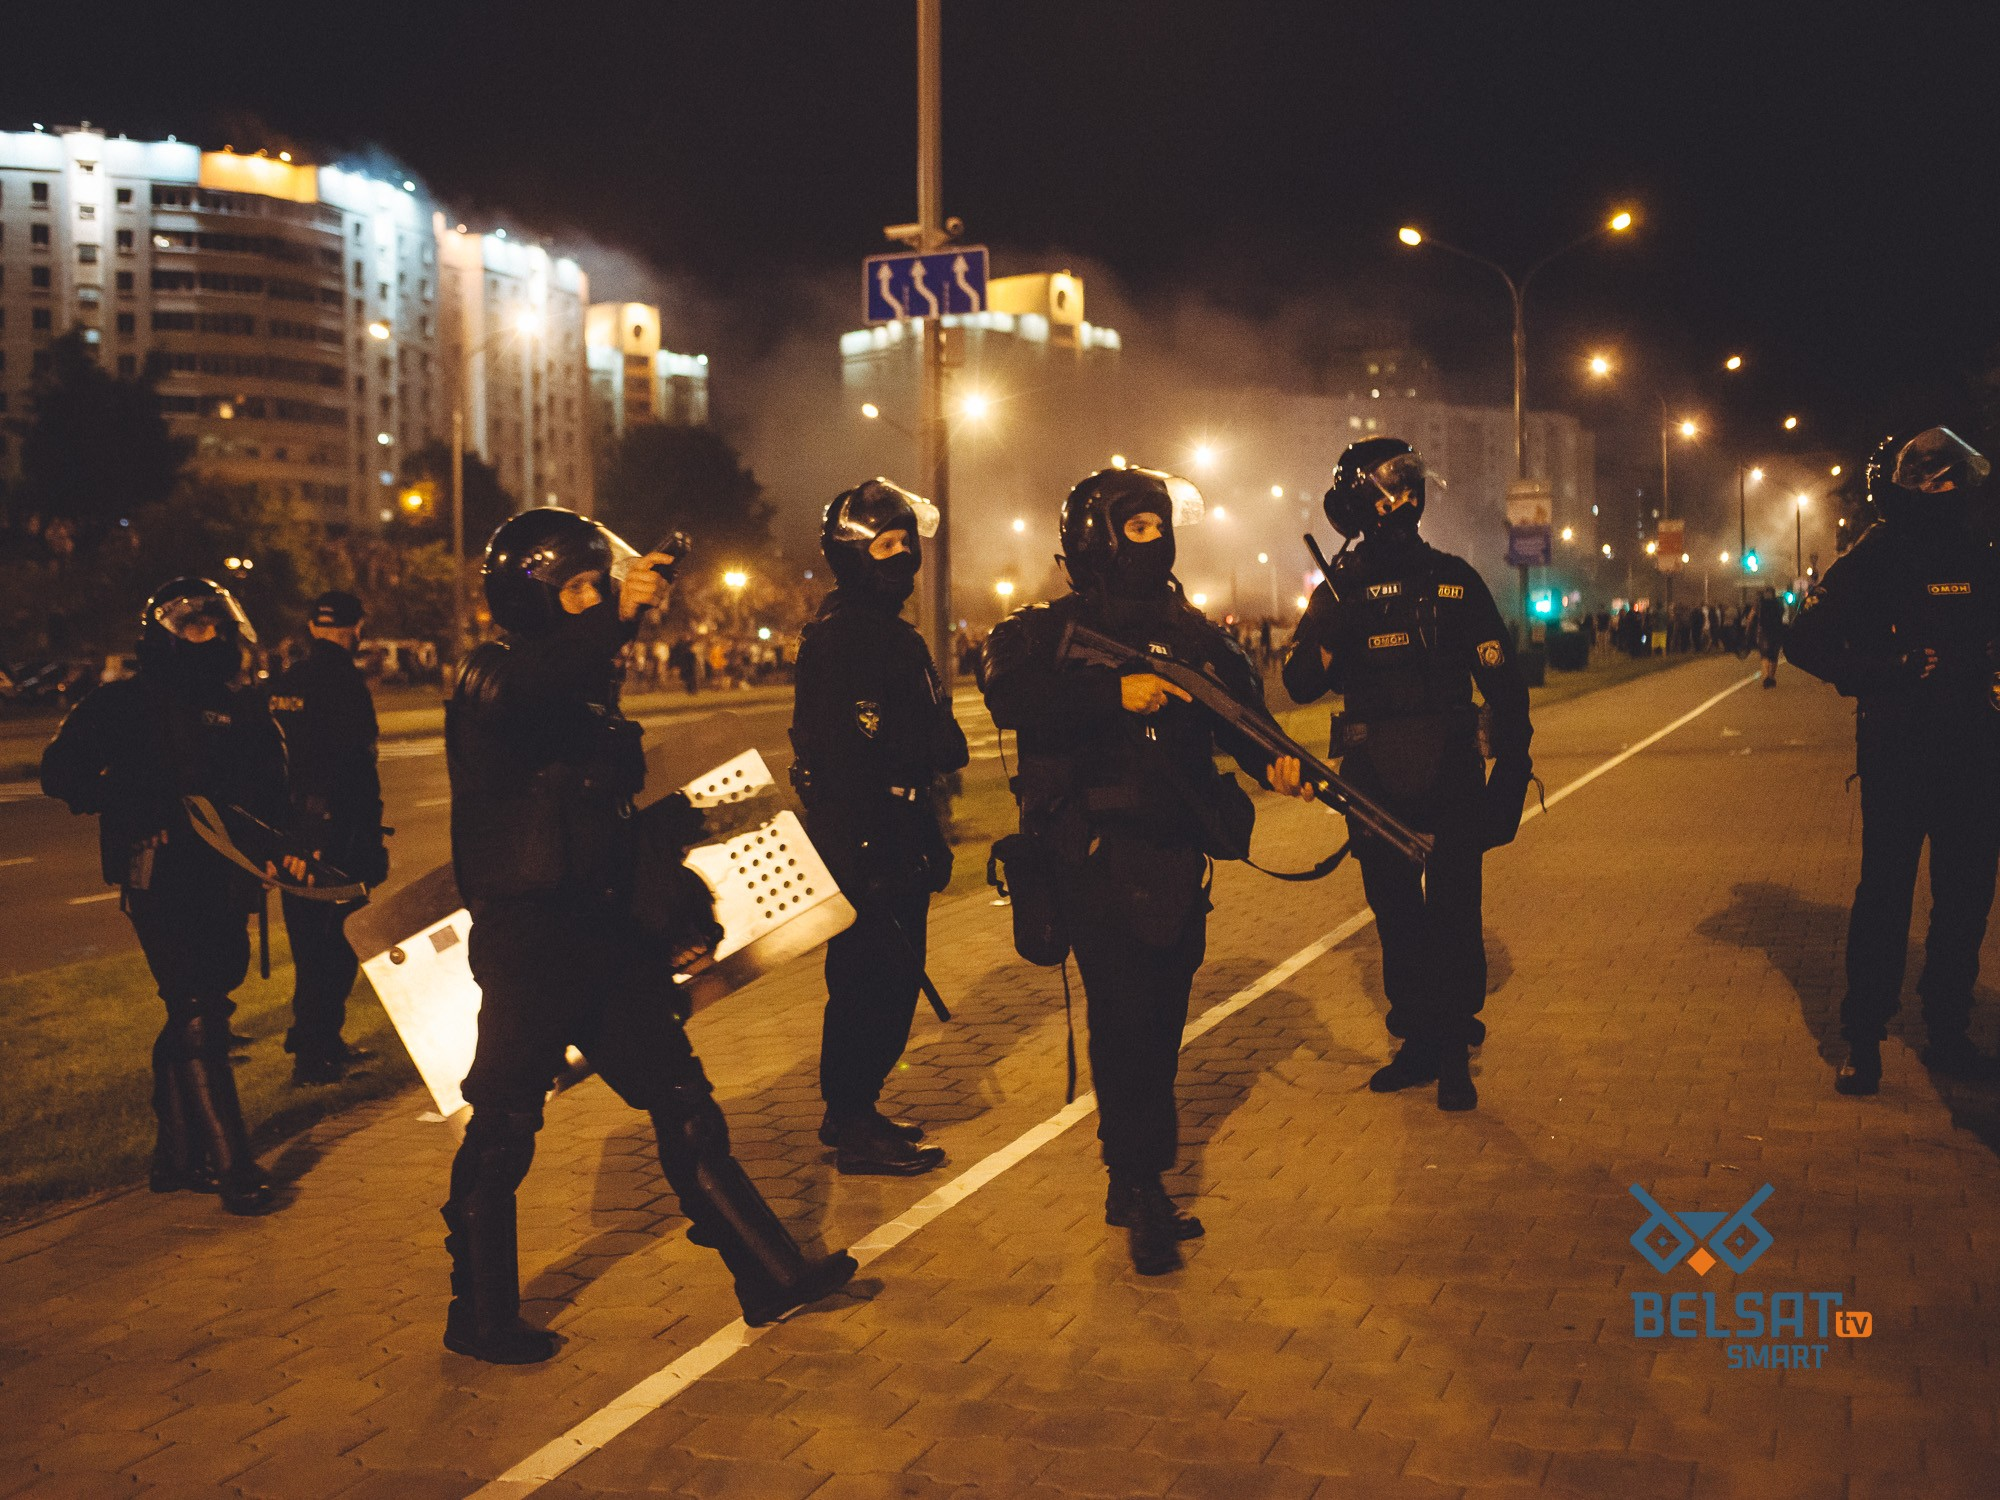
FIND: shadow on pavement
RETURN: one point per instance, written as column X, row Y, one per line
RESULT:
column 1806, row 941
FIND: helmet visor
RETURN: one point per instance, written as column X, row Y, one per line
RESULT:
column 623, row 555
column 187, row 616
column 1187, row 501
column 852, row 526
column 1937, row 460
column 1400, row 480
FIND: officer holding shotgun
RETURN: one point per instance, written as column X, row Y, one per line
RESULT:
column 1123, row 807
column 1405, row 632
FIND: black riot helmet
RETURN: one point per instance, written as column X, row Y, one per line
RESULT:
column 531, row 557
column 854, row 518
column 185, row 607
column 1379, row 481
column 1095, row 549
column 1928, row 477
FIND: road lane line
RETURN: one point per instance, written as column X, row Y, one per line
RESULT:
column 433, row 801
column 625, row 1411
column 88, row 900
column 19, row 859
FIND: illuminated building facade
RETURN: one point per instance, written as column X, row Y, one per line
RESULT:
column 295, row 318
column 634, row 379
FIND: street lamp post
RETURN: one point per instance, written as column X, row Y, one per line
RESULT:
column 1517, row 292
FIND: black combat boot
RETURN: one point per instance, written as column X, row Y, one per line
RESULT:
column 871, row 1146
column 178, row 1163
column 1414, row 1063
column 207, row 1090
column 1862, row 1072
column 1121, row 1208
column 1454, row 1076
column 726, row 1212
column 484, row 1320
column 1155, row 1228
column 832, row 1122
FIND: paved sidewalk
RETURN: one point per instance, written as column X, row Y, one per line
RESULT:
column 1390, row 1301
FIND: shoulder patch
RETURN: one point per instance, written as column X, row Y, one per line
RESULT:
column 1491, row 654
column 1393, row 638
column 1951, row 588
column 868, row 717
column 287, row 703
column 1451, row 591
column 1385, row 590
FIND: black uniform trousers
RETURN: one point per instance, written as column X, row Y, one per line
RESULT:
column 323, row 970
column 1428, row 920
column 559, row 971
column 1921, row 782
column 1135, row 994
column 873, row 978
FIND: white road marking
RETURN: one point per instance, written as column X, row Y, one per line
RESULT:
column 432, row 801
column 90, row 900
column 623, row 1412
column 19, row 859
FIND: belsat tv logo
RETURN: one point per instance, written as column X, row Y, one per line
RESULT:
column 1760, row 1330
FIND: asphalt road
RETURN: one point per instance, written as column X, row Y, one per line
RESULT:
column 56, row 909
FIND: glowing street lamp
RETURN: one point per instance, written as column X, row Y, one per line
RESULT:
column 1004, row 588
column 1218, row 514
column 735, row 579
column 1689, row 427
column 870, row 410
column 1605, row 549
column 1791, row 424
column 1600, row 365
column 1734, row 362
column 378, row 330
column 1199, row 601
column 974, row 406
column 1277, row 492
column 1117, row 460
column 1204, row 456
column 1569, row 533
column 1019, row 525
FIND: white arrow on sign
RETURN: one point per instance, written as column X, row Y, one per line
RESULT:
column 958, row 269
column 917, row 283
column 884, row 278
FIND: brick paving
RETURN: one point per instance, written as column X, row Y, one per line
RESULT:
column 1389, row 1302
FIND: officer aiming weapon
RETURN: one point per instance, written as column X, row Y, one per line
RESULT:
column 1086, row 647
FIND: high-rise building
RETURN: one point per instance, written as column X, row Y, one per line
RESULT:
column 306, row 325
column 634, row 378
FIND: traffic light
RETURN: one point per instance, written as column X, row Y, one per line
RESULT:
column 1750, row 563
column 1543, row 603
column 1790, row 597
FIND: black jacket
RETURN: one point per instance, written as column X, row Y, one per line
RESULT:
column 873, row 730
column 544, row 766
column 1899, row 590
column 323, row 707
column 1086, row 764
column 1404, row 632
column 131, row 750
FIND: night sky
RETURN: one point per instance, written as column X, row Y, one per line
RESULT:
column 1816, row 186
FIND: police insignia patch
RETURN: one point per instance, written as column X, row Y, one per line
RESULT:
column 868, row 716
column 1490, row 654
column 1451, row 591
column 1384, row 590
column 1393, row 638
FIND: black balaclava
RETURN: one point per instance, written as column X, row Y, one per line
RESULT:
column 1140, row 570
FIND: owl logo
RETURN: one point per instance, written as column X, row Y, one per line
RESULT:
column 868, row 717
column 1490, row 654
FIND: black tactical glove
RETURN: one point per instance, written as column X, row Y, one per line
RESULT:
column 1506, row 795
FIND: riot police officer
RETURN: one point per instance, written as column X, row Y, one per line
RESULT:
column 1124, row 807
column 130, row 753
column 1404, row 632
column 547, row 850
column 873, row 731
column 1906, row 623
column 323, row 706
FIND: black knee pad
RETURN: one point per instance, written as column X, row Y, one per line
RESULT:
column 500, row 1147
column 691, row 1133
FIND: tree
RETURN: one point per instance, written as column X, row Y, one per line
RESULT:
column 427, row 474
column 97, row 450
column 664, row 479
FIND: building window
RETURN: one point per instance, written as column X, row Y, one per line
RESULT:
column 124, row 195
column 39, row 319
column 38, row 194
column 125, row 282
column 124, row 242
column 357, row 276
column 86, row 255
column 86, row 210
column 38, row 236
column 38, row 276
column 127, row 323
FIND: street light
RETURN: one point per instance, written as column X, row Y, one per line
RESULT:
column 974, row 405
column 870, row 410
column 735, row 579
column 1600, row 365
column 1734, row 362
column 1204, row 456
column 1019, row 525
column 1004, row 588
column 1791, row 424
column 1277, row 492
column 1799, row 536
column 378, row 330
column 1606, row 549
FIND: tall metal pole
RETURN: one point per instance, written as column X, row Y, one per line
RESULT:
column 935, row 445
column 1742, row 536
column 1518, row 291
column 1666, row 501
column 458, row 627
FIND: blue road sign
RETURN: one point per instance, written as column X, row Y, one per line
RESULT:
column 1529, row 547
column 924, row 286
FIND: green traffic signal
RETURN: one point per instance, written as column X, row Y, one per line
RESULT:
column 1750, row 563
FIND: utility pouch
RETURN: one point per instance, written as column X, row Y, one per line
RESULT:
column 1020, row 869
column 139, row 866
